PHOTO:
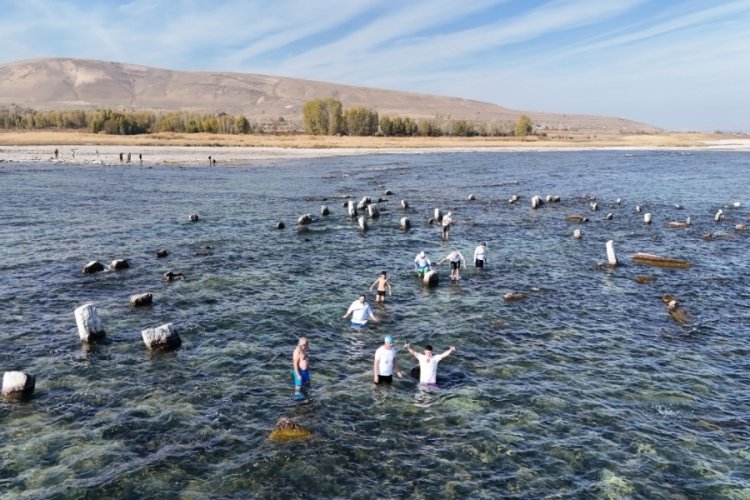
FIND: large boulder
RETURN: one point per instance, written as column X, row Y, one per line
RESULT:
column 89, row 324
column 141, row 299
column 161, row 337
column 18, row 384
column 93, row 267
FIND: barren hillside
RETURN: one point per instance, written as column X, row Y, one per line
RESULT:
column 46, row 84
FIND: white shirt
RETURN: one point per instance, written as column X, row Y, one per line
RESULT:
column 385, row 360
column 428, row 368
column 360, row 312
column 447, row 220
column 479, row 252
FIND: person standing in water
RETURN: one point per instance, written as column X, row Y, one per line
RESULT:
column 456, row 260
column 360, row 311
column 422, row 264
column 428, row 363
column 385, row 363
column 300, row 367
column 480, row 255
column 447, row 222
column 382, row 282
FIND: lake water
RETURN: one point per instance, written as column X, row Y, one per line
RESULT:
column 587, row 388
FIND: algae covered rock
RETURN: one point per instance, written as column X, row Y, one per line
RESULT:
column 287, row 430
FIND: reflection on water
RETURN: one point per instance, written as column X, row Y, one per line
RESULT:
column 586, row 388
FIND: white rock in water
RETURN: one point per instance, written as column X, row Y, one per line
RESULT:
column 472, row 197
column 404, row 204
column 362, row 223
column 324, row 210
column 437, row 215
column 536, row 201
column 89, row 324
column 161, row 337
column 430, row 278
column 647, row 218
column 611, row 257
column 405, row 223
column 141, row 299
column 373, row 210
column 351, row 209
column 18, row 383
column 577, row 234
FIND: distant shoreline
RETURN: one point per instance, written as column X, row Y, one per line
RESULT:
column 195, row 149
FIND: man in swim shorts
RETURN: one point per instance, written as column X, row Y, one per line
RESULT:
column 300, row 367
column 480, row 255
column 385, row 363
column 428, row 363
column 360, row 311
column 422, row 264
column 382, row 282
column 456, row 259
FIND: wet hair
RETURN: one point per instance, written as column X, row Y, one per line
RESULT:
column 428, row 348
column 382, row 273
column 362, row 296
column 302, row 341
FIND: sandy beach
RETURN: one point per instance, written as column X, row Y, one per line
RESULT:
column 177, row 149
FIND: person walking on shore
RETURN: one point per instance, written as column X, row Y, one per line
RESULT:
column 456, row 260
column 385, row 363
column 428, row 363
column 382, row 282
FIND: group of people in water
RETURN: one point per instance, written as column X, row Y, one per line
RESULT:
column 385, row 364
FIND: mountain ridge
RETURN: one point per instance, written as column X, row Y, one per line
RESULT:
column 70, row 83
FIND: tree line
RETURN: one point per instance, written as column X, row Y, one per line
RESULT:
column 109, row 121
column 327, row 117
column 319, row 117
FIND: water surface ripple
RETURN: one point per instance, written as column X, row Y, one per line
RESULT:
column 586, row 388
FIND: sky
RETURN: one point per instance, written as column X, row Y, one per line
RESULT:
column 681, row 65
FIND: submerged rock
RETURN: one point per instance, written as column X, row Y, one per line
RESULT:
column 656, row 260
column 287, row 430
column 93, row 267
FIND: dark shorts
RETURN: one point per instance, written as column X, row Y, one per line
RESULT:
column 385, row 379
column 479, row 263
column 446, row 228
column 455, row 265
column 381, row 293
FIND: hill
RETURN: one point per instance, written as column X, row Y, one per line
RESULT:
column 61, row 83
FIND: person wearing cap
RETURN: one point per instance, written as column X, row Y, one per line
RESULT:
column 428, row 363
column 360, row 311
column 456, row 259
column 447, row 222
column 480, row 255
column 422, row 264
column 385, row 363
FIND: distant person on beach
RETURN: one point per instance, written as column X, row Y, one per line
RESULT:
column 385, row 363
column 360, row 311
column 480, row 255
column 57, row 153
column 447, row 222
column 120, row 157
column 382, row 282
column 422, row 264
column 209, row 160
column 456, row 260
column 140, row 157
column 128, row 158
column 300, row 367
column 428, row 363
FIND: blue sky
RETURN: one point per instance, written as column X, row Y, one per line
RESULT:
column 680, row 65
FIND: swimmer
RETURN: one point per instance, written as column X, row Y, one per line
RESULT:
column 300, row 367
column 385, row 363
column 428, row 363
column 360, row 311
column 382, row 282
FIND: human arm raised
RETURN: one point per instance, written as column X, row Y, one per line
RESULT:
column 407, row 346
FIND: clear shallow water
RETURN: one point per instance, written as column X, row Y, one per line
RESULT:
column 587, row 388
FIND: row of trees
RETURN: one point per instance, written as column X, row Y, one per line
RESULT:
column 319, row 117
column 327, row 117
column 126, row 122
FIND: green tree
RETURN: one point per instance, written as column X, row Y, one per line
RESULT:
column 524, row 126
